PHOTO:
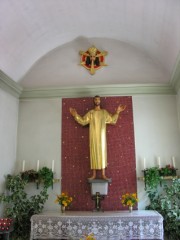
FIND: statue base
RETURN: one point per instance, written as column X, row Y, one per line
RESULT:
column 99, row 185
column 99, row 188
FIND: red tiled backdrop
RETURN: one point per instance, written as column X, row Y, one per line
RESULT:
column 75, row 154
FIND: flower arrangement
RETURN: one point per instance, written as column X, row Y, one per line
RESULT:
column 129, row 199
column 63, row 199
column 89, row 237
column 30, row 175
column 168, row 170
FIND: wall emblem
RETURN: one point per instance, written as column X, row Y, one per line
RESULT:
column 93, row 59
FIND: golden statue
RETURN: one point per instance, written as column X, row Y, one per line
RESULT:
column 92, row 59
column 97, row 119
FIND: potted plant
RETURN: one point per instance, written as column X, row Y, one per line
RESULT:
column 88, row 237
column 129, row 199
column 63, row 200
column 152, row 177
column 167, row 203
column 20, row 206
column 168, row 170
column 30, row 175
column 45, row 175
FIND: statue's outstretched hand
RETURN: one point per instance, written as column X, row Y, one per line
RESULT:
column 121, row 108
column 73, row 112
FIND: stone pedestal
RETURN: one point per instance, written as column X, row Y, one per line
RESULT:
column 99, row 189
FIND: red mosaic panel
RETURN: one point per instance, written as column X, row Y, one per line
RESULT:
column 75, row 154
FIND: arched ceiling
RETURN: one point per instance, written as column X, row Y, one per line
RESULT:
column 40, row 40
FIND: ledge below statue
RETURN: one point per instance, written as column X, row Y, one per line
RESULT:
column 99, row 180
column 99, row 186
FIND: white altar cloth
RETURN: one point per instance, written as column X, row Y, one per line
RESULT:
column 110, row 225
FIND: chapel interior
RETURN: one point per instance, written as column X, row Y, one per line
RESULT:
column 45, row 69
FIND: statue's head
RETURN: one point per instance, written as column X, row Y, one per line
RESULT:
column 97, row 100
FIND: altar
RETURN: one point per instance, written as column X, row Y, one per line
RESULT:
column 110, row 225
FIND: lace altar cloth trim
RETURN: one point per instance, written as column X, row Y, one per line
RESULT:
column 104, row 226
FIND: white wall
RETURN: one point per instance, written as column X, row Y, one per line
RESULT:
column 8, row 136
column 156, row 134
column 178, row 106
column 39, row 138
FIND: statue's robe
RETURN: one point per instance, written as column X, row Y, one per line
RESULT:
column 97, row 120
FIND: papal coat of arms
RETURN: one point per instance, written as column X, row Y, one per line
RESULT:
column 93, row 59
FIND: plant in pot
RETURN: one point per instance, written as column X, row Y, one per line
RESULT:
column 30, row 175
column 45, row 175
column 20, row 206
column 167, row 203
column 168, row 170
column 152, row 178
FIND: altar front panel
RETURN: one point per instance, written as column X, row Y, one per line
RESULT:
column 116, row 225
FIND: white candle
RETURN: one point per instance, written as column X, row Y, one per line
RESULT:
column 144, row 163
column 52, row 165
column 37, row 165
column 159, row 162
column 173, row 162
column 23, row 166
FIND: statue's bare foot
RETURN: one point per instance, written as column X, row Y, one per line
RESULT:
column 104, row 177
column 91, row 178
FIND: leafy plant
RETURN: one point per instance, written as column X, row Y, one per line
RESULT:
column 20, row 206
column 168, row 170
column 152, row 178
column 46, row 176
column 30, row 175
column 168, row 205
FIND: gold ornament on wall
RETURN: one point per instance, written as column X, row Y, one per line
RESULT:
column 93, row 59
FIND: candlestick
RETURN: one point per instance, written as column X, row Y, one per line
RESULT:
column 159, row 162
column 23, row 166
column 37, row 165
column 52, row 165
column 173, row 162
column 144, row 163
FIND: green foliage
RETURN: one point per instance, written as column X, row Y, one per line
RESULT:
column 168, row 205
column 152, row 178
column 20, row 206
column 46, row 176
column 30, row 175
column 168, row 170
column 43, row 176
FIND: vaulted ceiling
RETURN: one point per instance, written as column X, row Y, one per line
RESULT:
column 40, row 41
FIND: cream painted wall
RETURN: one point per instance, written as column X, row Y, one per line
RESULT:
column 156, row 134
column 39, row 138
column 8, row 135
column 178, row 106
